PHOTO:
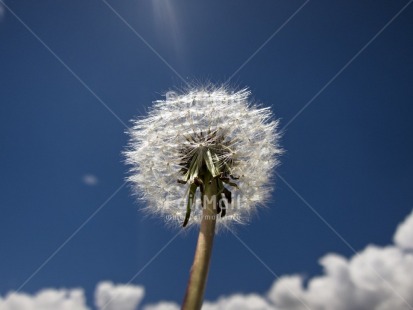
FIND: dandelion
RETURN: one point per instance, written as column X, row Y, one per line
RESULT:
column 204, row 158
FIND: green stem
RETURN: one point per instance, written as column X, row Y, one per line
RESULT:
column 199, row 272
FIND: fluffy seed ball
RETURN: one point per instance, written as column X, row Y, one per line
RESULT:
column 239, row 138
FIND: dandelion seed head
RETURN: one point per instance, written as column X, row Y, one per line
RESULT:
column 241, row 138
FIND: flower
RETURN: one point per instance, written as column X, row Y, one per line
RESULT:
column 208, row 129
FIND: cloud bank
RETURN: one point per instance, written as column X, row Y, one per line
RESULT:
column 47, row 299
column 377, row 278
column 113, row 297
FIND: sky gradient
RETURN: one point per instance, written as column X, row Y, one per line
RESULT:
column 338, row 75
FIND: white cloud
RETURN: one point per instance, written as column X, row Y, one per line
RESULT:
column 377, row 278
column 107, row 297
column 374, row 279
column 48, row 299
column 287, row 292
column 90, row 179
column 233, row 302
column 113, row 297
column 404, row 234
column 163, row 306
column 239, row 302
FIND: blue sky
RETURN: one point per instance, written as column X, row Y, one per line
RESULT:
column 73, row 73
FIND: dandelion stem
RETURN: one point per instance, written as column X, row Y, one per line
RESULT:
column 199, row 272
